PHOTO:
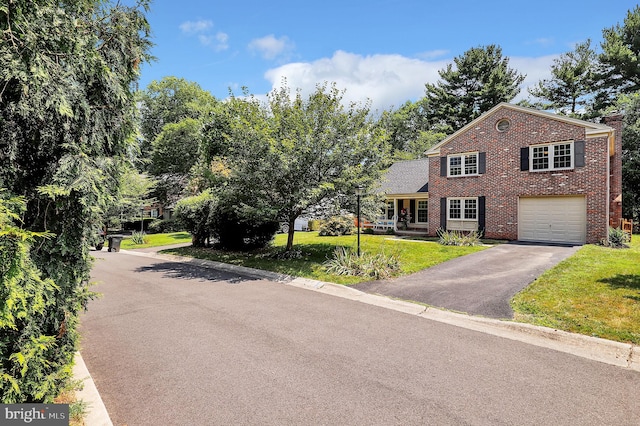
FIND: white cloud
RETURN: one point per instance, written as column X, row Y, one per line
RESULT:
column 386, row 80
column 270, row 47
column 202, row 29
column 536, row 69
column 218, row 42
column 193, row 27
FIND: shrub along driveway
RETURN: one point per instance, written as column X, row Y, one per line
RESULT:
column 481, row 283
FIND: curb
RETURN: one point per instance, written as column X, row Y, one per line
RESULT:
column 96, row 414
column 623, row 355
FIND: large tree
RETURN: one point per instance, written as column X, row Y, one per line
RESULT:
column 404, row 124
column 477, row 81
column 620, row 55
column 298, row 152
column 170, row 101
column 173, row 112
column 572, row 82
column 67, row 69
column 629, row 105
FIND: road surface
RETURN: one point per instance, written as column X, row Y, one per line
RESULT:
column 176, row 344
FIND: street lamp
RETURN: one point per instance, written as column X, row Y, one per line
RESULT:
column 142, row 219
column 359, row 192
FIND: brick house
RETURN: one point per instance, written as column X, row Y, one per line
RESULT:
column 521, row 174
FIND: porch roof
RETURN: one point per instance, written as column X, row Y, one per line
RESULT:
column 407, row 177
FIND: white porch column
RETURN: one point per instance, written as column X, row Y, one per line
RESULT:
column 395, row 214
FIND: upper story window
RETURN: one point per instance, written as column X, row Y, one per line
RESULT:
column 556, row 156
column 462, row 164
column 503, row 125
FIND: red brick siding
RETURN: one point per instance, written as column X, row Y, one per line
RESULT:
column 504, row 183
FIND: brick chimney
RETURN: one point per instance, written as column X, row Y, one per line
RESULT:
column 615, row 170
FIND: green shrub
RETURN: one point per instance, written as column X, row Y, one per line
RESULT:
column 368, row 231
column 459, row 238
column 377, row 266
column 29, row 367
column 139, row 238
column 193, row 214
column 336, row 226
column 315, row 224
column 241, row 228
column 618, row 238
column 161, row 226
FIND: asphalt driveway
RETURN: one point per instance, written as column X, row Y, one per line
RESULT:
column 481, row 283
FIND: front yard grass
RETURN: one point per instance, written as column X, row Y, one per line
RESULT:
column 595, row 292
column 413, row 255
column 157, row 240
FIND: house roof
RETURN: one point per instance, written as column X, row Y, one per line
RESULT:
column 591, row 129
column 407, row 177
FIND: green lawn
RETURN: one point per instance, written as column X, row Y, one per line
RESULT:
column 157, row 240
column 413, row 255
column 595, row 292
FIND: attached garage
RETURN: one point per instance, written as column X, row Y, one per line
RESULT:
column 553, row 219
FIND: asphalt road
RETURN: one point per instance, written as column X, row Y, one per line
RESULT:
column 481, row 283
column 175, row 344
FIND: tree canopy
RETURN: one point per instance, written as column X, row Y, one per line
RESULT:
column 67, row 70
column 621, row 54
column 572, row 82
column 169, row 101
column 295, row 152
column 480, row 79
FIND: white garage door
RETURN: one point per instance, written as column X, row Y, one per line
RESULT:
column 553, row 219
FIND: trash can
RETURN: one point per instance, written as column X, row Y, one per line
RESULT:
column 114, row 242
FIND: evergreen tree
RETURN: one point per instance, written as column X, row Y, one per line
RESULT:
column 620, row 55
column 480, row 79
column 572, row 81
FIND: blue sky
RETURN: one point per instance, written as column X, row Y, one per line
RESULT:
column 380, row 50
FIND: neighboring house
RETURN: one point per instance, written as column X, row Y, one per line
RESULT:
column 406, row 189
column 521, row 174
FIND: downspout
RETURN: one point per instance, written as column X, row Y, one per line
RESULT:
column 612, row 134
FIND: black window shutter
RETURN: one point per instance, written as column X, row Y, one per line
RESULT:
column 524, row 159
column 578, row 154
column 412, row 210
column 482, row 163
column 443, row 166
column 481, row 213
column 443, row 213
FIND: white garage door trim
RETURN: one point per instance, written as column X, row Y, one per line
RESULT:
column 553, row 219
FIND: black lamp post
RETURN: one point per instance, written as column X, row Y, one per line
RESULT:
column 141, row 219
column 359, row 192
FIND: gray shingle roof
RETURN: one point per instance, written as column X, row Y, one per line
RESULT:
column 406, row 177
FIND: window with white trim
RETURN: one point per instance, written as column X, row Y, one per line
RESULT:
column 555, row 156
column 422, row 211
column 462, row 164
column 462, row 214
column 463, row 209
column 390, row 210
